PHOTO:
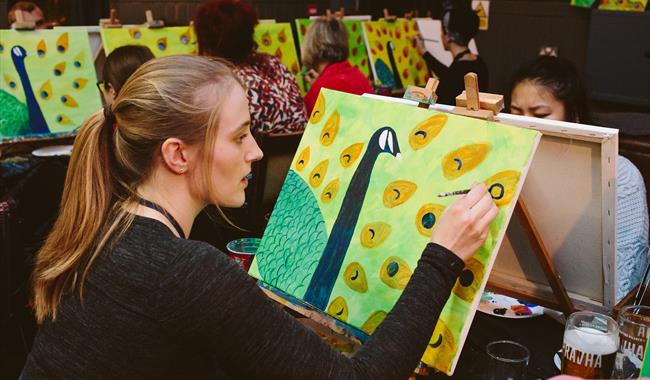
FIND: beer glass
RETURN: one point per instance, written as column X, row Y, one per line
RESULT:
column 590, row 345
column 508, row 360
column 634, row 326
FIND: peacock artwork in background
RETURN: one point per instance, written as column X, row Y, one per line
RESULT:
column 48, row 82
column 161, row 41
column 360, row 202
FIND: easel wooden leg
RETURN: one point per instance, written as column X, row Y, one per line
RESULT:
column 544, row 258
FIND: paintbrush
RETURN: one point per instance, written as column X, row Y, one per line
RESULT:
column 457, row 192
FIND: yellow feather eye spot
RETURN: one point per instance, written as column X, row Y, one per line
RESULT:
column 398, row 192
column 330, row 129
column 350, row 154
column 441, row 349
column 464, row 159
column 317, row 175
column 319, row 109
column 469, row 280
column 282, row 36
column 426, row 131
column 278, row 54
column 45, row 92
column 161, row 44
column 395, row 273
column 373, row 234
column 185, row 38
column 69, row 101
column 266, row 39
column 41, row 49
column 502, row 186
column 135, row 33
column 78, row 60
column 59, row 69
column 427, row 217
column 338, row 309
column 303, row 159
column 64, row 120
column 62, row 43
column 375, row 319
column 330, row 191
column 79, row 83
column 11, row 83
column 355, row 277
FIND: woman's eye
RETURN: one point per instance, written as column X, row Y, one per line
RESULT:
column 543, row 115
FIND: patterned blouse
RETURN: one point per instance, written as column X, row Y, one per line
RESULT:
column 275, row 102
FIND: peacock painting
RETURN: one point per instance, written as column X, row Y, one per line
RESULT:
column 394, row 58
column 277, row 39
column 161, row 41
column 47, row 85
column 359, row 205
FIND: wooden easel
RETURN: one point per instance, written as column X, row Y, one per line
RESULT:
column 388, row 17
column 485, row 106
column 424, row 96
column 21, row 24
column 111, row 22
column 151, row 22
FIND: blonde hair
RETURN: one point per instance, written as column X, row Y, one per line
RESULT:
column 326, row 40
column 158, row 101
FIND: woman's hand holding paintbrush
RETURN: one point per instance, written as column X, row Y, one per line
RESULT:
column 464, row 225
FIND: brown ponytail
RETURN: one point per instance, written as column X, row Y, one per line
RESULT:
column 158, row 102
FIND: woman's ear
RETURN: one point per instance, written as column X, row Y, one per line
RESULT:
column 175, row 155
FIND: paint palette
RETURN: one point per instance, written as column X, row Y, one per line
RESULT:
column 507, row 307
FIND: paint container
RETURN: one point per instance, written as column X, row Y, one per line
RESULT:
column 243, row 250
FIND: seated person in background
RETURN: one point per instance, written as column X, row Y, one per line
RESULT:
column 156, row 305
column 550, row 88
column 31, row 13
column 119, row 66
column 325, row 51
column 459, row 26
column 224, row 28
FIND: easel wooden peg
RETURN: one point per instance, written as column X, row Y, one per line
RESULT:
column 424, row 96
column 111, row 22
column 388, row 17
column 408, row 15
column 151, row 22
column 21, row 24
column 472, row 103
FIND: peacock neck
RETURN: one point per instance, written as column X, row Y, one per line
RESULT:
column 37, row 122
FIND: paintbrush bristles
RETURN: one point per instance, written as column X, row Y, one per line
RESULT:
column 457, row 192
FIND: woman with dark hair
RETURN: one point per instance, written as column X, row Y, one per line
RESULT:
column 119, row 66
column 551, row 88
column 459, row 26
column 224, row 28
column 325, row 51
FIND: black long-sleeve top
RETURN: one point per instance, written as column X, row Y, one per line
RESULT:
column 157, row 306
column 452, row 81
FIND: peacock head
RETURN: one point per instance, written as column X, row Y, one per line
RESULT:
column 384, row 140
column 18, row 52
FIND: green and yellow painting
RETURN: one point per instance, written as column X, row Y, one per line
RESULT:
column 48, row 82
column 357, row 54
column 277, row 39
column 359, row 205
column 161, row 41
column 623, row 5
column 403, row 57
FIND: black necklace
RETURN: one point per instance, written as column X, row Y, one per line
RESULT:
column 166, row 213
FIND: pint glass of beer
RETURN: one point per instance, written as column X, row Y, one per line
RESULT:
column 634, row 326
column 590, row 345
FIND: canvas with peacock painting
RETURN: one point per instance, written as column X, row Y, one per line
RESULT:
column 359, row 204
column 277, row 39
column 48, row 82
column 161, row 41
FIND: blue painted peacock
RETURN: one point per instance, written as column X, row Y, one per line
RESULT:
column 358, row 206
